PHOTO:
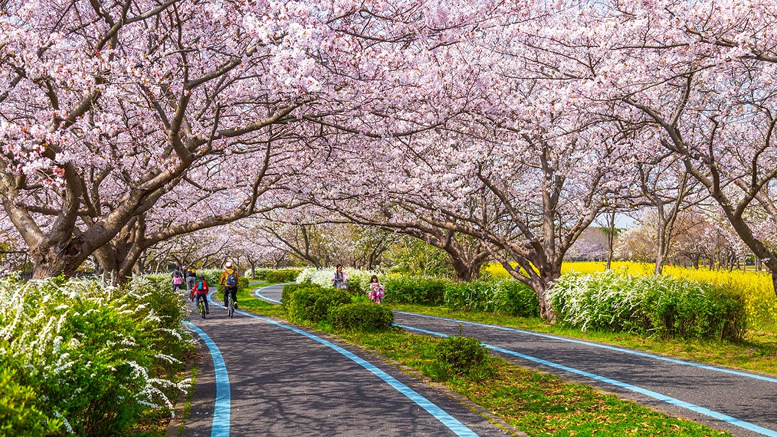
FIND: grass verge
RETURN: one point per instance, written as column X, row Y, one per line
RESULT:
column 757, row 353
column 188, row 405
column 540, row 404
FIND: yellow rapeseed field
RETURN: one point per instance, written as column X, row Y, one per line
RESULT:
column 755, row 287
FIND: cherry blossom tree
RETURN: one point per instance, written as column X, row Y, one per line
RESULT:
column 510, row 132
column 396, row 214
column 668, row 190
column 696, row 78
column 109, row 109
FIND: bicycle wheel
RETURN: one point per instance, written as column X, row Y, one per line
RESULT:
column 231, row 309
column 201, row 309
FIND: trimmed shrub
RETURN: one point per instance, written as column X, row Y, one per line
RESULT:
column 667, row 306
column 497, row 296
column 289, row 289
column 361, row 316
column 282, row 275
column 416, row 290
column 462, row 356
column 314, row 304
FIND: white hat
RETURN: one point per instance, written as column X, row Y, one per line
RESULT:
column 228, row 264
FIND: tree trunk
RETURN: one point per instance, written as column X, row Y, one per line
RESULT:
column 660, row 254
column 540, row 284
column 465, row 272
column 50, row 261
column 610, row 238
column 541, row 287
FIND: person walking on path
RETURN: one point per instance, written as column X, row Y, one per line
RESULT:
column 190, row 274
column 376, row 290
column 177, row 279
column 200, row 291
column 229, row 281
column 340, row 279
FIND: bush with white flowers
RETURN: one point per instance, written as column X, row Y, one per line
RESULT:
column 358, row 280
column 88, row 358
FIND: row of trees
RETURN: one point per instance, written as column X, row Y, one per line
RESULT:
column 491, row 130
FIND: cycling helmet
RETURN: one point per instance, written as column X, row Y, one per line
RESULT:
column 201, row 277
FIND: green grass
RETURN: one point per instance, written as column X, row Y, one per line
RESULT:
column 757, row 353
column 188, row 405
column 537, row 403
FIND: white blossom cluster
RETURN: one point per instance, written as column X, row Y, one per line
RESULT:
column 44, row 326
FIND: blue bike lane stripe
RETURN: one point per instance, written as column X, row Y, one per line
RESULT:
column 604, row 346
column 221, row 410
column 263, row 297
column 438, row 413
column 670, row 400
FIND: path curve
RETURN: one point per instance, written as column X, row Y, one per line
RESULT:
column 286, row 381
column 739, row 402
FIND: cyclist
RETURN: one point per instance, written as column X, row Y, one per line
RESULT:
column 200, row 291
column 229, row 281
column 191, row 276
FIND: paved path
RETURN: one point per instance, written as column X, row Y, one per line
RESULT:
column 742, row 403
column 277, row 380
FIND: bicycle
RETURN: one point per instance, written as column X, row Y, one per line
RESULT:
column 201, row 307
column 230, row 304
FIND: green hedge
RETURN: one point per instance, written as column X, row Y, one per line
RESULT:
column 496, row 296
column 364, row 316
column 667, row 306
column 289, row 289
column 276, row 276
column 313, row 304
column 416, row 290
column 262, row 273
column 93, row 355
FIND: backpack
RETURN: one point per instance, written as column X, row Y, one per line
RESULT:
column 200, row 286
column 177, row 278
column 231, row 279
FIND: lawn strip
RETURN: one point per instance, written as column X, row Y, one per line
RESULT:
column 537, row 403
column 758, row 353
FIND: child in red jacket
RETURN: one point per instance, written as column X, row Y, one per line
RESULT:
column 200, row 290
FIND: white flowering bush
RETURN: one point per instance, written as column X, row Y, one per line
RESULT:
column 358, row 280
column 663, row 305
column 91, row 357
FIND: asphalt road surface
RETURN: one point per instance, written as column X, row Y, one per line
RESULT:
column 742, row 403
column 259, row 377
